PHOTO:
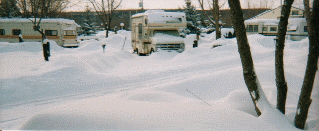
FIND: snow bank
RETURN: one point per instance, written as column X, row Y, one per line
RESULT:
column 200, row 89
column 143, row 111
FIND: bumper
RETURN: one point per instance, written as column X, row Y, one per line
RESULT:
column 178, row 47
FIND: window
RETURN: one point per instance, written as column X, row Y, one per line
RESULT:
column 16, row 32
column 69, row 32
column 51, row 32
column 252, row 28
column 255, row 28
column 249, row 28
column 145, row 21
column 305, row 28
column 295, row 12
column 140, row 30
column 2, row 32
column 168, row 32
column 273, row 28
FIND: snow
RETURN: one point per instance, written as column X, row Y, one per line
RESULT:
column 85, row 88
column 154, row 15
column 161, row 38
column 57, row 20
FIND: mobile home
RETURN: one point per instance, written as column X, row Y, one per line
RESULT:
column 62, row 31
column 296, row 30
column 157, row 29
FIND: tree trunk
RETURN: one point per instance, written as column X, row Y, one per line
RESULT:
column 311, row 69
column 279, row 59
column 216, row 17
column 258, row 97
column 307, row 13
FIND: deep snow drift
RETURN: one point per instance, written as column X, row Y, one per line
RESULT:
column 86, row 88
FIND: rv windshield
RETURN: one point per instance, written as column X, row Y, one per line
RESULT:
column 169, row 32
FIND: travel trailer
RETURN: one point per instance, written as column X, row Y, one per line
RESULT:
column 157, row 29
column 297, row 27
column 62, row 31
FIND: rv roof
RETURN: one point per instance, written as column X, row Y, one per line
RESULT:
column 42, row 20
column 160, row 16
column 296, row 20
column 265, row 21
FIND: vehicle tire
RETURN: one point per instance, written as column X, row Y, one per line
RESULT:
column 138, row 53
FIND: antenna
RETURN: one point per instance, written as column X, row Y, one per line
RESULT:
column 141, row 4
column 198, row 97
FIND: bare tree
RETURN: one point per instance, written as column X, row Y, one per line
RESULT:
column 42, row 8
column 260, row 101
column 9, row 8
column 312, row 66
column 105, row 10
column 35, row 10
column 216, row 15
column 279, row 59
column 258, row 96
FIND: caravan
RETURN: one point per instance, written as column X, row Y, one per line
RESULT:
column 62, row 31
column 296, row 30
column 157, row 29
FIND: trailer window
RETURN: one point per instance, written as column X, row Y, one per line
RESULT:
column 69, row 32
column 295, row 12
column 16, row 32
column 273, row 28
column 51, row 32
column 2, row 32
column 252, row 28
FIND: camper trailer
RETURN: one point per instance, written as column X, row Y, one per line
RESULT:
column 62, row 31
column 266, row 27
column 296, row 30
column 157, row 29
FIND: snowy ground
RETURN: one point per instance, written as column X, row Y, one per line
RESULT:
column 84, row 88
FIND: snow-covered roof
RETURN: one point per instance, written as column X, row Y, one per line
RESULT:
column 294, row 6
column 265, row 21
column 55, row 20
column 296, row 20
column 160, row 16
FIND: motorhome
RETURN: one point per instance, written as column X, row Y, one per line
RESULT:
column 62, row 31
column 296, row 30
column 157, row 29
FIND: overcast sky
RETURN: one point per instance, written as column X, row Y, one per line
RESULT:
column 175, row 4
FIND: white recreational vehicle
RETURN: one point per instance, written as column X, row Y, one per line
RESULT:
column 296, row 30
column 62, row 31
column 156, row 29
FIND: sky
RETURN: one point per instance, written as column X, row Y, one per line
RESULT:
column 175, row 4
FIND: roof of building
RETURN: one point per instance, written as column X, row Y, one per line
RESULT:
column 275, row 9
